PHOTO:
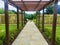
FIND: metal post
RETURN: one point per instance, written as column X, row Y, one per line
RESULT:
column 54, row 23
column 38, row 18
column 43, row 21
column 22, row 18
column 17, row 18
column 6, row 22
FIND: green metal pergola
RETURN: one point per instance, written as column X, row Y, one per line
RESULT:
column 31, row 5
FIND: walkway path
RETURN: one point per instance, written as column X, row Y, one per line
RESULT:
column 30, row 35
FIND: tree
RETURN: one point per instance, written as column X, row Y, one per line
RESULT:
column 58, row 9
column 49, row 10
column 1, row 11
column 34, row 15
column 14, row 11
column 10, row 11
column 29, row 16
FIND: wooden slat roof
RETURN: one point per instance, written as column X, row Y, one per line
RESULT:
column 31, row 5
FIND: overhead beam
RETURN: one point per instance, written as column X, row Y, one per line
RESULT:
column 28, row 8
column 47, row 4
column 37, row 5
column 24, row 4
column 13, row 4
column 6, row 22
column 30, row 2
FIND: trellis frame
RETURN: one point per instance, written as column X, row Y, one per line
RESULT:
column 7, row 19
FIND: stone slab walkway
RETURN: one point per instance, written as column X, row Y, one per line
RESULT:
column 30, row 35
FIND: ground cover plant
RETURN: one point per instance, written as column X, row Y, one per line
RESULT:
column 48, row 33
column 13, row 32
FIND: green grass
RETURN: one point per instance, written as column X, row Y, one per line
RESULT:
column 11, row 27
column 49, row 28
column 13, row 32
column 48, row 32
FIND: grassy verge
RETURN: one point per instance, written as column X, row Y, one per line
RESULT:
column 13, row 32
column 48, row 32
column 48, row 20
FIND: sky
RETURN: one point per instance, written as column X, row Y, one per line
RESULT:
column 13, row 8
column 10, row 7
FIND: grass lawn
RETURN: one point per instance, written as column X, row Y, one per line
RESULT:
column 13, row 31
column 11, row 27
column 48, row 32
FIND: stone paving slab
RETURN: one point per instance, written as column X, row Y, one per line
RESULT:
column 30, row 35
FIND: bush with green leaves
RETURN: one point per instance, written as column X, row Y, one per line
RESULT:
column 29, row 16
column 12, row 33
column 9, row 11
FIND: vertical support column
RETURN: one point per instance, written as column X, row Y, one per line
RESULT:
column 22, row 18
column 6, row 22
column 54, row 23
column 17, row 18
column 43, row 21
column 38, row 18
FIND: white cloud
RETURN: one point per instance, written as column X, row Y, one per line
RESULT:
column 10, row 7
column 1, row 4
column 58, row 3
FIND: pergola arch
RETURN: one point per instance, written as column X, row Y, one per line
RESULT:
column 30, row 5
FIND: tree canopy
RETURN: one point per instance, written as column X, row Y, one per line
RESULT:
column 10, row 11
column 1, row 11
column 49, row 10
column 29, row 16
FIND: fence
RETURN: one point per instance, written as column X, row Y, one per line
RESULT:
column 12, row 18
